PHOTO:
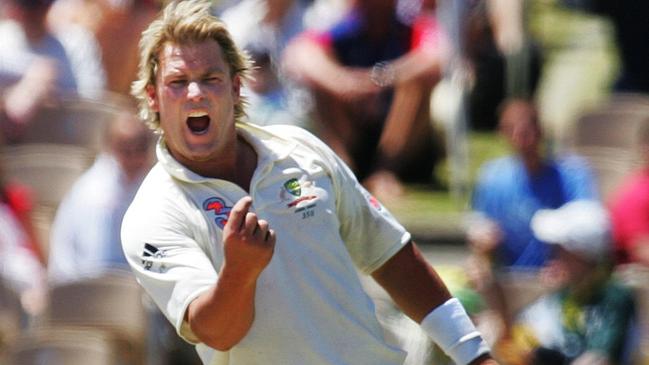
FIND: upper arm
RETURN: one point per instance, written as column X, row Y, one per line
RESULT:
column 168, row 261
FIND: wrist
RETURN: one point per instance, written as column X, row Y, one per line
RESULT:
column 383, row 74
column 450, row 327
column 237, row 276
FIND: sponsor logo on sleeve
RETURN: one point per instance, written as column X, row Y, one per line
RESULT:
column 151, row 258
column 374, row 203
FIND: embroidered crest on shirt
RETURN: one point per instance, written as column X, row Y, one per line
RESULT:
column 151, row 256
column 295, row 192
column 293, row 189
column 220, row 210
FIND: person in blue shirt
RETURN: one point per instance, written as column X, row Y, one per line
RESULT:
column 509, row 191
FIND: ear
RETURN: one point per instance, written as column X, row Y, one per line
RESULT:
column 152, row 98
column 236, row 88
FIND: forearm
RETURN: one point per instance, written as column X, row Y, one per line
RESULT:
column 309, row 63
column 407, row 122
column 418, row 64
column 221, row 317
column 417, row 289
column 315, row 66
column 413, row 284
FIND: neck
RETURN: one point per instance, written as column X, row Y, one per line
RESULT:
column 246, row 163
column 533, row 162
column 236, row 164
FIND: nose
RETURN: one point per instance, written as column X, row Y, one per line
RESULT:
column 194, row 91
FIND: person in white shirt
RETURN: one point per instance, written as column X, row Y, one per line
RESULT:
column 248, row 238
column 85, row 236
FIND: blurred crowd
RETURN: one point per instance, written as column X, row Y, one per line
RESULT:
column 557, row 234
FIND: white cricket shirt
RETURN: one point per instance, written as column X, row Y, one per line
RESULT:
column 310, row 307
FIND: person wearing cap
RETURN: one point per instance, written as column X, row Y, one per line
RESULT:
column 588, row 315
column 508, row 191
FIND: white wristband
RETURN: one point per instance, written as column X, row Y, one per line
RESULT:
column 450, row 327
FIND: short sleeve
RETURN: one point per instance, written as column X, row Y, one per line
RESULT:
column 579, row 179
column 165, row 254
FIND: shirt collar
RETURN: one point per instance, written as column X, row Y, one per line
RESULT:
column 269, row 146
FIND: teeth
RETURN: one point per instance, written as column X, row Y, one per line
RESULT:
column 197, row 114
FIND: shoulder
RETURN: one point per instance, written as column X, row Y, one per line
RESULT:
column 160, row 210
column 572, row 161
column 287, row 131
column 498, row 168
column 299, row 135
column 159, row 201
column 633, row 188
column 158, row 190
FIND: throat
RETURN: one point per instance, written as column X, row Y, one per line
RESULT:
column 246, row 163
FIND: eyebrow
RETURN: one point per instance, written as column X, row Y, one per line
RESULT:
column 175, row 72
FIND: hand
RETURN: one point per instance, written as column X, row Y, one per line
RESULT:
column 248, row 242
column 484, row 235
column 35, row 89
column 484, row 360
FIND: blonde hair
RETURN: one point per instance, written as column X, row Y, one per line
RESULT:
column 184, row 22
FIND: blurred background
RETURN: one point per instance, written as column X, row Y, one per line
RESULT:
column 414, row 95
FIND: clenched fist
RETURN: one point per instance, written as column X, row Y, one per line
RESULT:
column 248, row 242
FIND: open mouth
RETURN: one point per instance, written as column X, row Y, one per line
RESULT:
column 198, row 123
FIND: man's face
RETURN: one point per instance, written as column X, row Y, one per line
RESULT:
column 132, row 153
column 519, row 126
column 195, row 97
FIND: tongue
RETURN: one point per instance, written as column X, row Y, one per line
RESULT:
column 198, row 124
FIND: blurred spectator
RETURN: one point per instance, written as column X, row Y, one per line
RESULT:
column 630, row 211
column 588, row 317
column 508, row 192
column 85, row 236
column 18, row 198
column 264, row 28
column 39, row 66
column 629, row 19
column 266, row 97
column 116, row 27
column 22, row 266
column 371, row 76
column 504, row 60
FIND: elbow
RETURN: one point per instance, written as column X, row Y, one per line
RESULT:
column 221, row 341
column 220, row 346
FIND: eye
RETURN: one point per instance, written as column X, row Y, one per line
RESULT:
column 178, row 82
column 211, row 79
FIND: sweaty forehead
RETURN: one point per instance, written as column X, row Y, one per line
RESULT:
column 196, row 56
